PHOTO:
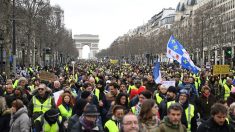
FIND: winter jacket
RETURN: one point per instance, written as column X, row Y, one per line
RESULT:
column 231, row 99
column 80, row 126
column 150, row 125
column 211, row 126
column 167, row 126
column 204, row 106
column 20, row 121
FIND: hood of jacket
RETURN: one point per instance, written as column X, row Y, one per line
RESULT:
column 20, row 112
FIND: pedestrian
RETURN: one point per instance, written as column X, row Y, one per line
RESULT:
column 113, row 124
column 217, row 122
column 142, row 97
column 130, row 123
column 172, row 122
column 40, row 103
column 77, row 112
column 204, row 103
column 170, row 96
column 148, row 116
column 20, row 121
column 66, row 106
column 50, row 121
column 89, row 121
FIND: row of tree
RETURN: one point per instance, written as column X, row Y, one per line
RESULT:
column 39, row 27
column 208, row 28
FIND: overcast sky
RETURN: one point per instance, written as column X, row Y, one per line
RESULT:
column 109, row 18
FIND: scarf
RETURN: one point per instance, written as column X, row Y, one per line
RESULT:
column 87, row 124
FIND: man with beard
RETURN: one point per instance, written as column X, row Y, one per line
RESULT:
column 130, row 123
column 89, row 121
column 172, row 122
column 51, row 121
column 170, row 96
column 113, row 124
column 217, row 122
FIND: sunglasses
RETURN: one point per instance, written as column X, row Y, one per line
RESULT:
column 41, row 89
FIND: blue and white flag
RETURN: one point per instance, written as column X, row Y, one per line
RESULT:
column 177, row 52
column 157, row 73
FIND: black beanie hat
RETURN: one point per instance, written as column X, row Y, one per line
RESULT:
column 147, row 94
column 172, row 89
column 85, row 94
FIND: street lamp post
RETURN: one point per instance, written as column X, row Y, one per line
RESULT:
column 1, row 44
column 73, row 62
column 14, row 38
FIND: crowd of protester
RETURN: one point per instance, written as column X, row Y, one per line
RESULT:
column 104, row 97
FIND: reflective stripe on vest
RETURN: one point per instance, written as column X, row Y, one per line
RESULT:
column 189, row 112
column 158, row 98
column 196, row 85
column 97, row 93
column 169, row 103
column 49, row 128
column 133, row 109
column 226, row 91
column 64, row 112
column 39, row 107
column 131, row 87
column 111, row 125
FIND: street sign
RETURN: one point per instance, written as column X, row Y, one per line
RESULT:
column 220, row 69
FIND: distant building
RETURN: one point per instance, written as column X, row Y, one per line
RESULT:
column 87, row 39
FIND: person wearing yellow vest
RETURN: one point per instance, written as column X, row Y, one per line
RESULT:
column 66, row 106
column 170, row 96
column 227, row 88
column 89, row 121
column 161, row 94
column 142, row 97
column 113, row 124
column 189, row 114
column 40, row 102
column 51, row 121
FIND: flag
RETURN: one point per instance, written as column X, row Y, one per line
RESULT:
column 177, row 52
column 157, row 73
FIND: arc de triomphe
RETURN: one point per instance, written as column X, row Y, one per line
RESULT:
column 87, row 39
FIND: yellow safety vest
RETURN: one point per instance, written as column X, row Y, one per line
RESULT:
column 189, row 112
column 131, row 87
column 15, row 83
column 47, row 127
column 169, row 103
column 133, row 109
column 158, row 98
column 97, row 93
column 196, row 85
column 64, row 112
column 226, row 91
column 41, row 107
column 111, row 125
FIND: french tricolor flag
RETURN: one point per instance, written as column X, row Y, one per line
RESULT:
column 157, row 73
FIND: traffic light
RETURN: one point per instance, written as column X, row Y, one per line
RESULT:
column 228, row 52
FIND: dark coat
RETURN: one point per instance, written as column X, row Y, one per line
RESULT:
column 231, row 99
column 204, row 106
column 211, row 126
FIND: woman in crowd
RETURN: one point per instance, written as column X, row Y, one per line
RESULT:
column 66, row 106
column 19, row 120
column 148, row 116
